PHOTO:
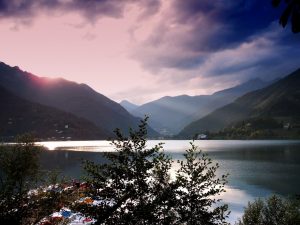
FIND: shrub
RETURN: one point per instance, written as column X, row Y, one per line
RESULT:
column 135, row 186
column 272, row 211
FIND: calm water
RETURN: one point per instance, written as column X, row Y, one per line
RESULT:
column 256, row 168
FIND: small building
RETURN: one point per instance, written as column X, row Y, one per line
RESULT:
column 286, row 126
column 202, row 136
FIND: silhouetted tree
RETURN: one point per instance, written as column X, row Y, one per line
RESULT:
column 19, row 171
column 272, row 211
column 20, row 174
column 19, row 166
column 292, row 10
column 135, row 187
column 198, row 186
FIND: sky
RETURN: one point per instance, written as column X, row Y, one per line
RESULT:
column 141, row 50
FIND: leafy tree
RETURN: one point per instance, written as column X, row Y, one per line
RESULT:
column 253, row 213
column 292, row 10
column 198, row 185
column 19, row 170
column 19, row 166
column 20, row 174
column 272, row 211
column 134, row 181
column 135, row 186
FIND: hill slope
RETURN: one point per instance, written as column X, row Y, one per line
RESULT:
column 78, row 99
column 171, row 114
column 128, row 105
column 279, row 100
column 19, row 116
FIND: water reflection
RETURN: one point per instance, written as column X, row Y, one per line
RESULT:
column 256, row 168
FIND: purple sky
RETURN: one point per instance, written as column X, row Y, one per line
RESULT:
column 140, row 50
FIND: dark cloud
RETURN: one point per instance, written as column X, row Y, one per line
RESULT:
column 208, row 36
column 230, row 22
column 149, row 7
column 193, row 32
column 15, row 8
column 226, row 23
column 268, row 49
column 91, row 9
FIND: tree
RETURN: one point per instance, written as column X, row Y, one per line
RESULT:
column 19, row 171
column 198, row 186
column 20, row 174
column 132, row 185
column 19, row 166
column 292, row 10
column 272, row 211
column 135, row 186
column 253, row 213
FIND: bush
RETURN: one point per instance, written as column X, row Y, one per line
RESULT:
column 272, row 211
column 19, row 174
column 135, row 186
column 19, row 171
column 19, row 166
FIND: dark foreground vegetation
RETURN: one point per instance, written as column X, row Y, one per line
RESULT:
column 274, row 210
column 135, row 187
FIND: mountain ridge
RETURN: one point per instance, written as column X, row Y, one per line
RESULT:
column 279, row 100
column 78, row 99
column 168, row 115
column 129, row 106
column 19, row 116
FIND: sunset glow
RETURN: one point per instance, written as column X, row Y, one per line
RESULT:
column 154, row 48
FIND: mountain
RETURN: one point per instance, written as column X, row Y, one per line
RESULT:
column 78, row 99
column 19, row 116
column 128, row 105
column 168, row 115
column 281, row 100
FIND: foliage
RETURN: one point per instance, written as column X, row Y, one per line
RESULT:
column 21, row 201
column 136, row 187
column 272, row 211
column 19, row 170
column 198, row 185
column 19, row 166
column 292, row 10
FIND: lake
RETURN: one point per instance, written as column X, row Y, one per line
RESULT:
column 256, row 168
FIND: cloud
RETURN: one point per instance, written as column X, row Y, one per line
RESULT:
column 267, row 53
column 186, row 46
column 182, row 35
column 90, row 9
column 270, row 53
column 189, row 32
column 89, row 36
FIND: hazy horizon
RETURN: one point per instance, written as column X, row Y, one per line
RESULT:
column 141, row 103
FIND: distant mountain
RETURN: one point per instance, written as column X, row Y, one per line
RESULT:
column 19, row 116
column 78, row 99
column 168, row 115
column 128, row 105
column 281, row 100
